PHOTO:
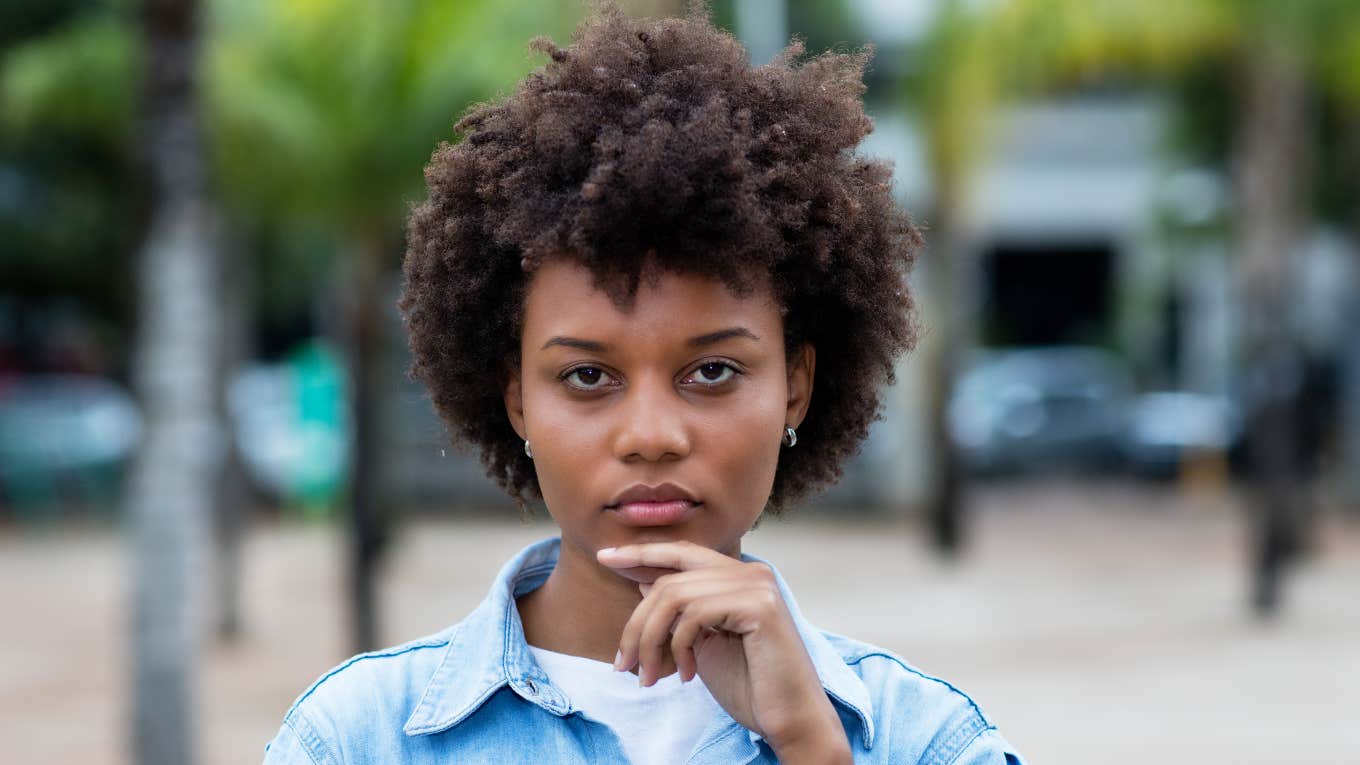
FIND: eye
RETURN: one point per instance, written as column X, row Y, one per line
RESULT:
column 713, row 373
column 587, row 378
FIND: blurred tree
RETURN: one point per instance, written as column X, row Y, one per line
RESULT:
column 653, row 8
column 319, row 117
column 825, row 24
column 822, row 24
column 66, row 159
column 954, row 90
column 323, row 114
column 1273, row 54
column 73, row 93
column 170, row 494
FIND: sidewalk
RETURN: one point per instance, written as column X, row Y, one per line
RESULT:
column 1097, row 624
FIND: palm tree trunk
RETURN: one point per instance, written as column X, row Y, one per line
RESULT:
column 946, row 510
column 170, row 494
column 1350, row 396
column 1271, row 178
column 231, row 512
column 368, row 522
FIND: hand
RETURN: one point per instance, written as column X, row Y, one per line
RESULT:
column 726, row 621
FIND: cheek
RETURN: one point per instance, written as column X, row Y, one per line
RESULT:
column 567, row 445
column 743, row 448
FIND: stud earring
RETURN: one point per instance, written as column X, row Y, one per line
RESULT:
column 527, row 451
column 790, row 436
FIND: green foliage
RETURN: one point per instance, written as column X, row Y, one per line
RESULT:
column 79, row 80
column 319, row 116
column 66, row 120
column 22, row 19
column 825, row 24
column 980, row 54
column 325, row 112
column 821, row 24
column 1339, row 61
column 958, row 85
column 321, row 110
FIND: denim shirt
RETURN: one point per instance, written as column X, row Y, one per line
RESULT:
column 474, row 694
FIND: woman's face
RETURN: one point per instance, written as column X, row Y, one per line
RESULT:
column 659, row 423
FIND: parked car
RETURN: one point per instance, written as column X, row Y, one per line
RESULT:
column 1164, row 427
column 1040, row 407
column 64, row 437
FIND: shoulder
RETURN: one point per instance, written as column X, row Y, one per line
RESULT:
column 918, row 717
column 388, row 678
column 369, row 696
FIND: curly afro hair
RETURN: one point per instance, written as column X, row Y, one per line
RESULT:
column 657, row 139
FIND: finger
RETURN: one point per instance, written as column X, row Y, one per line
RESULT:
column 644, row 574
column 689, row 629
column 703, row 583
column 645, row 587
column 654, row 622
column 685, row 663
column 700, row 621
column 680, row 556
column 687, row 640
column 735, row 610
column 652, row 640
column 632, row 629
column 669, row 598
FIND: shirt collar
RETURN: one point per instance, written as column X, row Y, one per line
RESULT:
column 487, row 651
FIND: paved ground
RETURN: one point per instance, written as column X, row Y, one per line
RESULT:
column 1096, row 624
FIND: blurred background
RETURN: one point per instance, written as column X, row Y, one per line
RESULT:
column 1115, row 493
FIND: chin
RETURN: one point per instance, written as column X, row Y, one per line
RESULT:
column 659, row 534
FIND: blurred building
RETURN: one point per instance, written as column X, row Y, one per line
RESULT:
column 1083, row 228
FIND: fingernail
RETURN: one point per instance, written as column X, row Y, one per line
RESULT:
column 608, row 550
column 618, row 659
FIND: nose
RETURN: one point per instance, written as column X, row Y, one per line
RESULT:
column 651, row 423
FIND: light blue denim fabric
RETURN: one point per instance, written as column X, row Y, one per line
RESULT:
column 474, row 694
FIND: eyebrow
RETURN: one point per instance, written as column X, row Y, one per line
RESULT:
column 720, row 335
column 700, row 341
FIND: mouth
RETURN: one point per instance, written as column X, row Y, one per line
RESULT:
column 653, row 513
column 664, row 505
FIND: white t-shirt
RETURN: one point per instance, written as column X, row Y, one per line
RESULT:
column 658, row 725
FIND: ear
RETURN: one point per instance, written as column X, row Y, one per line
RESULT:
column 513, row 394
column 800, row 384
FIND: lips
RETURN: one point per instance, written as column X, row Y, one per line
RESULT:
column 664, row 505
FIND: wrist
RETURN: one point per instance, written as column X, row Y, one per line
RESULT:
column 824, row 749
column 821, row 741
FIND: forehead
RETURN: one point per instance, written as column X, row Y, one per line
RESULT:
column 562, row 299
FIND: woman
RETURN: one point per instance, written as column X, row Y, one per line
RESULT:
column 655, row 289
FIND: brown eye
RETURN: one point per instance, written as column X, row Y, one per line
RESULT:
column 586, row 378
column 714, row 373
